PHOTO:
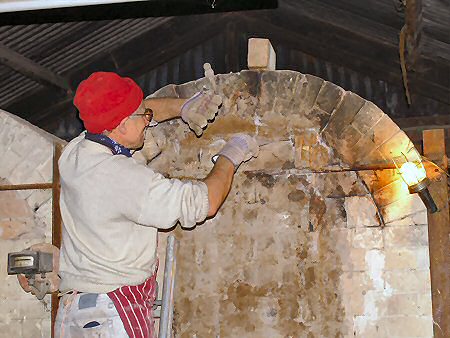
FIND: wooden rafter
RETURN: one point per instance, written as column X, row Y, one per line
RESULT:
column 413, row 31
column 31, row 69
column 439, row 235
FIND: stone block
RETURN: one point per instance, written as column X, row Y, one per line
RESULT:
column 35, row 328
column 166, row 91
column 43, row 216
column 46, row 327
column 376, row 180
column 12, row 206
column 355, row 283
column 375, row 262
column 382, row 131
column 406, row 304
column 344, row 143
column 361, row 212
column 286, row 85
column 352, row 259
column 8, row 166
column 28, row 307
column 335, row 215
column 339, row 184
column 390, row 193
column 306, row 92
column 261, row 54
column 225, row 126
column 397, row 145
column 303, row 143
column 366, row 327
column 368, row 151
column 408, row 281
column 310, row 152
column 12, row 229
column 24, row 173
column 353, row 303
column 45, row 168
column 407, row 258
column 405, row 237
column 277, row 155
column 344, row 114
column 365, row 153
column 424, row 304
column 406, row 205
column 321, row 156
column 406, row 326
column 420, row 218
column 11, row 328
column 184, row 90
column 8, row 137
column 250, row 82
column 268, row 89
column 38, row 197
column 393, row 327
column 367, row 117
column 342, row 238
column 33, row 147
column 329, row 97
column 368, row 238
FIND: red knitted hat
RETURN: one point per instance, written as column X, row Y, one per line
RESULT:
column 104, row 99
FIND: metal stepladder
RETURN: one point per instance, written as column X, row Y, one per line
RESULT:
column 163, row 308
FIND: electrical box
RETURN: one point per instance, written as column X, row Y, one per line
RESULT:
column 29, row 262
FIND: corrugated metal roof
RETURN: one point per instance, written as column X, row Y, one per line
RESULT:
column 63, row 47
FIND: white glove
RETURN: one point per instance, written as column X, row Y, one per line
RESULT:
column 150, row 149
column 199, row 109
column 240, row 148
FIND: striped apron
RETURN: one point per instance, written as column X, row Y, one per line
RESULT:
column 134, row 305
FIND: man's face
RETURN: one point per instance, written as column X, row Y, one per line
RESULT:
column 135, row 127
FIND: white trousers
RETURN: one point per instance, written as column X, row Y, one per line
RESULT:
column 86, row 315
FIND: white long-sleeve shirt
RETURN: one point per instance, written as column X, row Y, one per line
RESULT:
column 111, row 207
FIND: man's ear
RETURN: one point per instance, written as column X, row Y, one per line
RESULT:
column 122, row 128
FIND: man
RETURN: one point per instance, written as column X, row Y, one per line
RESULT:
column 112, row 206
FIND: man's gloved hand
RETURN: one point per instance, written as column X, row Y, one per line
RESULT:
column 240, row 148
column 199, row 109
column 150, row 149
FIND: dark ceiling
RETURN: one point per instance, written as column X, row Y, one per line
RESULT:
column 358, row 45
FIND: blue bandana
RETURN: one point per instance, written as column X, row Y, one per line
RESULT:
column 116, row 148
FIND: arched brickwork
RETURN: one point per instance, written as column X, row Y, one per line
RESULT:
column 297, row 249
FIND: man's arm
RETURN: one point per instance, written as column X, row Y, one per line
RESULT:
column 166, row 108
column 195, row 111
column 238, row 149
column 218, row 182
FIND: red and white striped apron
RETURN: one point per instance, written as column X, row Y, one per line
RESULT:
column 134, row 304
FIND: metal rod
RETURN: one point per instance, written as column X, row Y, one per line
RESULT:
column 374, row 167
column 56, row 223
column 26, row 186
column 165, row 323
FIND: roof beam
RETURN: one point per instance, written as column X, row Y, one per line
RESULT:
column 413, row 30
column 31, row 69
